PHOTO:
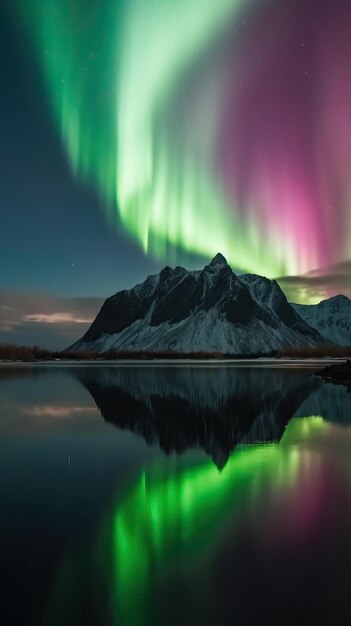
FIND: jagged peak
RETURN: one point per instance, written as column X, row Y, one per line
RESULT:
column 218, row 260
column 251, row 278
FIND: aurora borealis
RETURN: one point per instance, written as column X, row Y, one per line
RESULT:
column 203, row 130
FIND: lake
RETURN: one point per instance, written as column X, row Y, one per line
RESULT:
column 165, row 494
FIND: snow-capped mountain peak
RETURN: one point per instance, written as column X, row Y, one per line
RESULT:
column 218, row 261
column 208, row 310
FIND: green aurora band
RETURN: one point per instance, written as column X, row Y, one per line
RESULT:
column 138, row 121
column 175, row 514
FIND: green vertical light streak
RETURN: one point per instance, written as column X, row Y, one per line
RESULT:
column 166, row 192
column 173, row 516
column 73, row 41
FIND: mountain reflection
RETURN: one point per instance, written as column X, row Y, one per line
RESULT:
column 213, row 408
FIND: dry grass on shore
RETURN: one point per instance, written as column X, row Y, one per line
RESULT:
column 13, row 352
column 317, row 352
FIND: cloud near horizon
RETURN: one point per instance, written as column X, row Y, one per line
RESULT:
column 52, row 322
column 56, row 318
column 318, row 284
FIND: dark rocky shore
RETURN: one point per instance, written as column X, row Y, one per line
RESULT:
column 338, row 374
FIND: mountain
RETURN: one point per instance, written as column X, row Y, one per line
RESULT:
column 215, row 408
column 209, row 310
column 212, row 408
column 331, row 318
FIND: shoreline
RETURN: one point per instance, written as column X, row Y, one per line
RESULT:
column 254, row 362
column 337, row 374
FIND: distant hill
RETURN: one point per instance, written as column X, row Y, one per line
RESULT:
column 331, row 318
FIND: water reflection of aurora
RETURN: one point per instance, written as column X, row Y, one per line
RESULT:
column 174, row 517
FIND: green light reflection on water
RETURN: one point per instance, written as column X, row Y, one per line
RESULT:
column 175, row 515
column 171, row 516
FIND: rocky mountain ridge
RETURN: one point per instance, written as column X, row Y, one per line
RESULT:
column 208, row 310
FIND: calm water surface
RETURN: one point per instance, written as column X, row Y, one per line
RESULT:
column 173, row 495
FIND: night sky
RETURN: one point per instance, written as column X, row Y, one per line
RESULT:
column 141, row 133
